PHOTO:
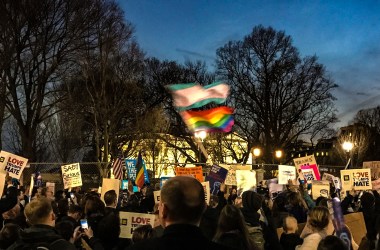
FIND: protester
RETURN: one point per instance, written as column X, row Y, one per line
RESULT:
column 331, row 243
column 142, row 233
column 231, row 230
column 9, row 234
column 290, row 238
column 210, row 217
column 180, row 209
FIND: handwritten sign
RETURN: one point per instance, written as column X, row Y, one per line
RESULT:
column 246, row 180
column 157, row 196
column 231, row 175
column 216, row 177
column 357, row 179
column 320, row 188
column 71, row 175
column 286, row 173
column 129, row 221
column 195, row 172
column 12, row 164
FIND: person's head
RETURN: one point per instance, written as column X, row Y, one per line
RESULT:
column 40, row 211
column 110, row 198
column 252, row 200
column 321, row 201
column 318, row 218
column 182, row 201
column 290, row 224
column 331, row 242
column 295, row 199
column 65, row 229
column 142, row 233
column 9, row 234
column 93, row 206
column 214, row 201
column 367, row 200
column 279, row 204
column 75, row 212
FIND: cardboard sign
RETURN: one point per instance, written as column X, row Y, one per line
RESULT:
column 129, row 221
column 206, row 188
column 376, row 185
column 328, row 177
column 231, row 175
column 195, row 172
column 2, row 183
column 286, row 173
column 307, row 168
column 375, row 168
column 51, row 186
column 110, row 184
column 320, row 188
column 12, row 164
column 157, row 196
column 357, row 179
column 71, row 175
column 245, row 180
column 216, row 177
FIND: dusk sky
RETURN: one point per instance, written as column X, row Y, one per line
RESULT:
column 344, row 35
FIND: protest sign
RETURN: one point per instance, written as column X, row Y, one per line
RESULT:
column 216, row 177
column 163, row 180
column 357, row 179
column 206, row 188
column 337, row 183
column 375, row 168
column 129, row 221
column 131, row 170
column 12, row 164
column 157, row 196
column 51, row 186
column 307, row 168
column 124, row 184
column 231, row 174
column 71, row 175
column 286, row 173
column 320, row 188
column 274, row 187
column 376, row 185
column 245, row 180
column 328, row 177
column 110, row 184
column 2, row 183
column 195, row 172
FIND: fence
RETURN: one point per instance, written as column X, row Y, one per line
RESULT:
column 91, row 177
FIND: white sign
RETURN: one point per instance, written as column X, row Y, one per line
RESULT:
column 245, row 180
column 12, row 164
column 51, row 186
column 157, row 196
column 206, row 188
column 286, row 173
column 129, row 221
column 231, row 175
column 71, row 175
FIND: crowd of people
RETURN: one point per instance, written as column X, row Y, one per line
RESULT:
column 246, row 221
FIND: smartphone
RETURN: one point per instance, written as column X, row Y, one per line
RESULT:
column 84, row 224
column 72, row 195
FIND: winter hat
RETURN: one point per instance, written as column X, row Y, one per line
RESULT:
column 252, row 200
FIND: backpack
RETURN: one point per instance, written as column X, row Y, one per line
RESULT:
column 257, row 236
column 36, row 245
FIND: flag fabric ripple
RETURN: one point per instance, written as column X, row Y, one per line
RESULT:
column 218, row 119
column 192, row 95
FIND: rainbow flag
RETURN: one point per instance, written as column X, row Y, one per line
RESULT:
column 192, row 95
column 218, row 119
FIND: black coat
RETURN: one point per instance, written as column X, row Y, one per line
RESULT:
column 109, row 228
column 179, row 236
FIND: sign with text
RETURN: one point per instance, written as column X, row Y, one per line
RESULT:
column 320, row 188
column 110, row 184
column 12, row 164
column 2, row 183
column 157, row 196
column 195, row 172
column 131, row 170
column 51, row 186
column 376, row 185
column 216, row 177
column 357, row 179
column 307, row 168
column 286, row 173
column 274, row 187
column 337, row 183
column 231, row 175
column 206, row 188
column 375, row 168
column 129, row 221
column 71, row 175
column 245, row 180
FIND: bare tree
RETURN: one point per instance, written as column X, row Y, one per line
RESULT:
column 277, row 95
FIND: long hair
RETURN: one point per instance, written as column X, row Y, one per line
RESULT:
column 231, row 219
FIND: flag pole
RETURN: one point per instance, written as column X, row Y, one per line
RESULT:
column 201, row 146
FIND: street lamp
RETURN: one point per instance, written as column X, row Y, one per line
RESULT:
column 256, row 153
column 200, row 135
column 278, row 154
column 347, row 146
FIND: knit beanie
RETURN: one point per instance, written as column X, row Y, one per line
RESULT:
column 252, row 200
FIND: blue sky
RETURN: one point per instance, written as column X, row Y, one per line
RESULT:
column 344, row 35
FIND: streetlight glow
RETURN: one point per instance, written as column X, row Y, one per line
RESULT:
column 347, row 146
column 278, row 153
column 256, row 152
column 200, row 134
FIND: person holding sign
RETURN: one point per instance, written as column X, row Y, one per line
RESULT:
column 180, row 210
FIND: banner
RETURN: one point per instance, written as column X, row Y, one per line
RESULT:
column 245, row 180
column 110, row 184
column 71, row 175
column 216, row 177
column 206, row 188
column 12, row 164
column 286, row 173
column 157, row 196
column 129, row 221
column 320, row 188
column 357, row 179
column 375, row 168
column 131, row 170
column 307, row 168
column 231, row 174
column 195, row 172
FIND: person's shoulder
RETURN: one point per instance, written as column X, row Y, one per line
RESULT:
column 62, row 244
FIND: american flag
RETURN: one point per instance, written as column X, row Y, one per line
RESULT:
column 118, row 168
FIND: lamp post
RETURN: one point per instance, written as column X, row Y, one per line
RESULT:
column 347, row 146
column 256, row 152
column 201, row 135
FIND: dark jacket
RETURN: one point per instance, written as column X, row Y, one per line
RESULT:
column 42, row 234
column 233, row 239
column 290, row 241
column 209, row 222
column 109, row 228
column 179, row 236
